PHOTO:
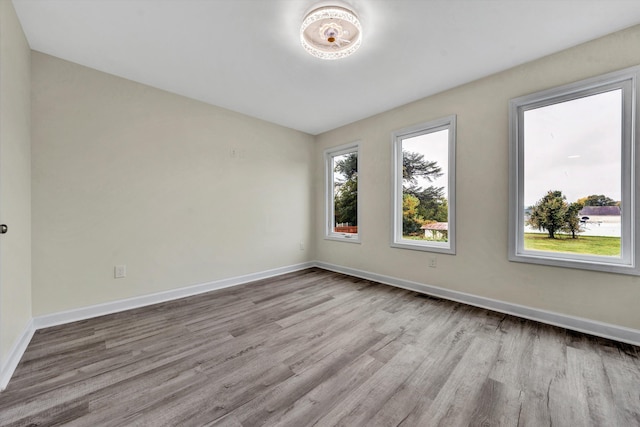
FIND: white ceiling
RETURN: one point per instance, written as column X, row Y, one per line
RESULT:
column 245, row 55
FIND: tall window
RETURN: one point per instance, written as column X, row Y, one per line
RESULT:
column 572, row 176
column 424, row 186
column 341, row 165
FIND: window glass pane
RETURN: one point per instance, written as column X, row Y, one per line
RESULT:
column 345, row 193
column 572, row 176
column 425, row 212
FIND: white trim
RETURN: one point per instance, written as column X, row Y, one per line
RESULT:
column 329, row 154
column 15, row 354
column 83, row 313
column 91, row 311
column 628, row 262
column 397, row 241
column 592, row 327
column 579, row 324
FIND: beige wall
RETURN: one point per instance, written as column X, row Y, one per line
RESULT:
column 480, row 266
column 127, row 174
column 15, row 180
column 181, row 192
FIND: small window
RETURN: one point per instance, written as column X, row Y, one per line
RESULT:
column 424, row 187
column 342, row 216
column 572, row 166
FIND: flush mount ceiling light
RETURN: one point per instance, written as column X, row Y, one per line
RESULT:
column 331, row 31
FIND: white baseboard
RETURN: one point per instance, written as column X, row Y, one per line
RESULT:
column 15, row 354
column 83, row 313
column 592, row 327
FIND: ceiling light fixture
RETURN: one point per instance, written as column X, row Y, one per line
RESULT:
column 331, row 31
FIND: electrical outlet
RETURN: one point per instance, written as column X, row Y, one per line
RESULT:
column 302, row 246
column 238, row 153
column 120, row 271
column 433, row 263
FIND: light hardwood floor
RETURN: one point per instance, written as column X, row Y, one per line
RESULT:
column 320, row 348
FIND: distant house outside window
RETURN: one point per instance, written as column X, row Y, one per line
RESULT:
column 424, row 186
column 572, row 168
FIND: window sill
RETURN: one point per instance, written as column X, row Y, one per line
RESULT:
column 596, row 265
column 349, row 238
column 433, row 247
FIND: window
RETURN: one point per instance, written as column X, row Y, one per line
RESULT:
column 572, row 168
column 424, row 186
column 342, row 193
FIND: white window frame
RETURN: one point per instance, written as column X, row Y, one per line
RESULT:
column 626, row 81
column 329, row 154
column 397, row 241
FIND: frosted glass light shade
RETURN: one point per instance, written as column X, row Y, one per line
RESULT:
column 331, row 32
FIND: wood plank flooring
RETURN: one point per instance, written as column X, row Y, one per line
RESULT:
column 324, row 349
